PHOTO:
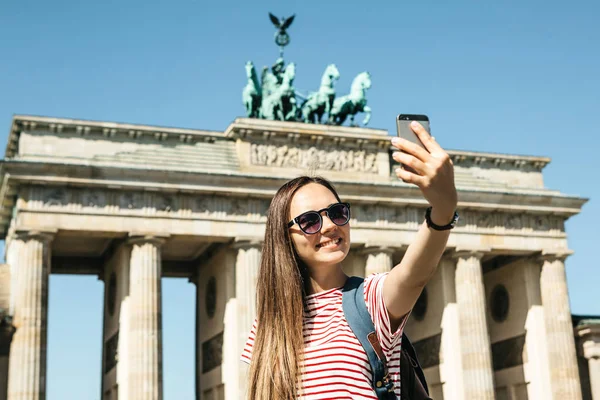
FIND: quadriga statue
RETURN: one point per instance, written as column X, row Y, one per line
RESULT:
column 252, row 93
column 319, row 103
column 352, row 103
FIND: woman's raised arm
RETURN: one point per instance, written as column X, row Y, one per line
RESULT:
column 434, row 175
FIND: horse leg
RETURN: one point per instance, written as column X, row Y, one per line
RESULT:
column 367, row 110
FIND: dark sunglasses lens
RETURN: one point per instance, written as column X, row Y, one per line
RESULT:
column 339, row 214
column 310, row 222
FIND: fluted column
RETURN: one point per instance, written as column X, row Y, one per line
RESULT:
column 27, row 364
column 478, row 381
column 594, row 367
column 197, row 343
column 588, row 333
column 247, row 264
column 562, row 359
column 536, row 367
column 145, row 323
column 379, row 259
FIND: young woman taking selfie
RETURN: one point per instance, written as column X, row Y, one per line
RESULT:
column 301, row 345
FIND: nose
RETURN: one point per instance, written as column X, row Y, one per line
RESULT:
column 327, row 224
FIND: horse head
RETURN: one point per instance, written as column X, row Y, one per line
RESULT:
column 362, row 81
column 332, row 72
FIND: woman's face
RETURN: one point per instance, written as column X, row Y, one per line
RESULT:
column 331, row 244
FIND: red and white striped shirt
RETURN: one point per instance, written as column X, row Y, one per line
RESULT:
column 336, row 365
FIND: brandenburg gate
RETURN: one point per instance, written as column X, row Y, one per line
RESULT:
column 132, row 204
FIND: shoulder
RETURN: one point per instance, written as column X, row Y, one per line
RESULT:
column 374, row 282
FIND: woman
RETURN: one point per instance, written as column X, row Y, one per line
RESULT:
column 301, row 344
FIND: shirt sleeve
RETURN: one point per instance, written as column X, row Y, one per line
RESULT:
column 247, row 352
column 379, row 314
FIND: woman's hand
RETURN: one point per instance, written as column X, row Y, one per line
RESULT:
column 433, row 172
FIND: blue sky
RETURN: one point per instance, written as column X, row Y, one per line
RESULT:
column 507, row 77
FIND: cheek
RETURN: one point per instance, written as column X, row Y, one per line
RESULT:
column 302, row 243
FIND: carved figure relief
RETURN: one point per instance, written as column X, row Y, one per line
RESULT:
column 328, row 158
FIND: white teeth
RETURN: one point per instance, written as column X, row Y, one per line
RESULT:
column 335, row 241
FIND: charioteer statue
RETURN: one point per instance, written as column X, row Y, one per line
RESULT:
column 274, row 96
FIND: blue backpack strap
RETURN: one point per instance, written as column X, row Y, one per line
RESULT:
column 359, row 319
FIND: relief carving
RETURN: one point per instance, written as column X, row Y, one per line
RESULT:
column 164, row 203
column 131, row 200
column 228, row 207
column 513, row 221
column 328, row 158
column 55, row 197
column 485, row 220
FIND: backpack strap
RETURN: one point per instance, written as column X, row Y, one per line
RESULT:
column 359, row 319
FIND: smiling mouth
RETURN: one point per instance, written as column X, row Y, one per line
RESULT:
column 330, row 243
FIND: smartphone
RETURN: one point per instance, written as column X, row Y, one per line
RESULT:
column 405, row 131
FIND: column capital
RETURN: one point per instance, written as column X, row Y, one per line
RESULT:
column 43, row 235
column 374, row 248
column 555, row 255
column 242, row 242
column 464, row 252
column 588, row 333
column 157, row 239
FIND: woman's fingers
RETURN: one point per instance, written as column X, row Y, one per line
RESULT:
column 408, row 176
column 430, row 144
column 410, row 148
column 410, row 161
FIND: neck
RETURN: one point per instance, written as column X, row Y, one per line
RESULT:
column 325, row 278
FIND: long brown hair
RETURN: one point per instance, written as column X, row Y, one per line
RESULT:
column 279, row 346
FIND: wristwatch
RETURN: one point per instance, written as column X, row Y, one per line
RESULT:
column 433, row 226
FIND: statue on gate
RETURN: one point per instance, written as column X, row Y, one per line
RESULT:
column 353, row 103
column 274, row 97
column 280, row 102
column 252, row 93
column 320, row 102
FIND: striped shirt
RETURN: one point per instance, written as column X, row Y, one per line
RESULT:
column 336, row 365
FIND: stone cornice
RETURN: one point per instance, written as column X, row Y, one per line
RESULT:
column 496, row 160
column 300, row 134
column 130, row 132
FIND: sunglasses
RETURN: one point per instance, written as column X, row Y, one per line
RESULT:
column 311, row 222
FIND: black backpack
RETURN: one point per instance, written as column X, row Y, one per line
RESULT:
column 413, row 384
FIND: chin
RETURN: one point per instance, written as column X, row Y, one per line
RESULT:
column 333, row 258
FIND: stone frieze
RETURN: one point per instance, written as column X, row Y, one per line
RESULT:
column 322, row 158
column 224, row 207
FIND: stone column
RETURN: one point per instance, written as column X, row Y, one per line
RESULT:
column 247, row 264
column 478, row 381
column 27, row 364
column 588, row 333
column 145, row 321
column 562, row 359
column 379, row 259
column 537, row 372
column 450, row 358
column 197, row 344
